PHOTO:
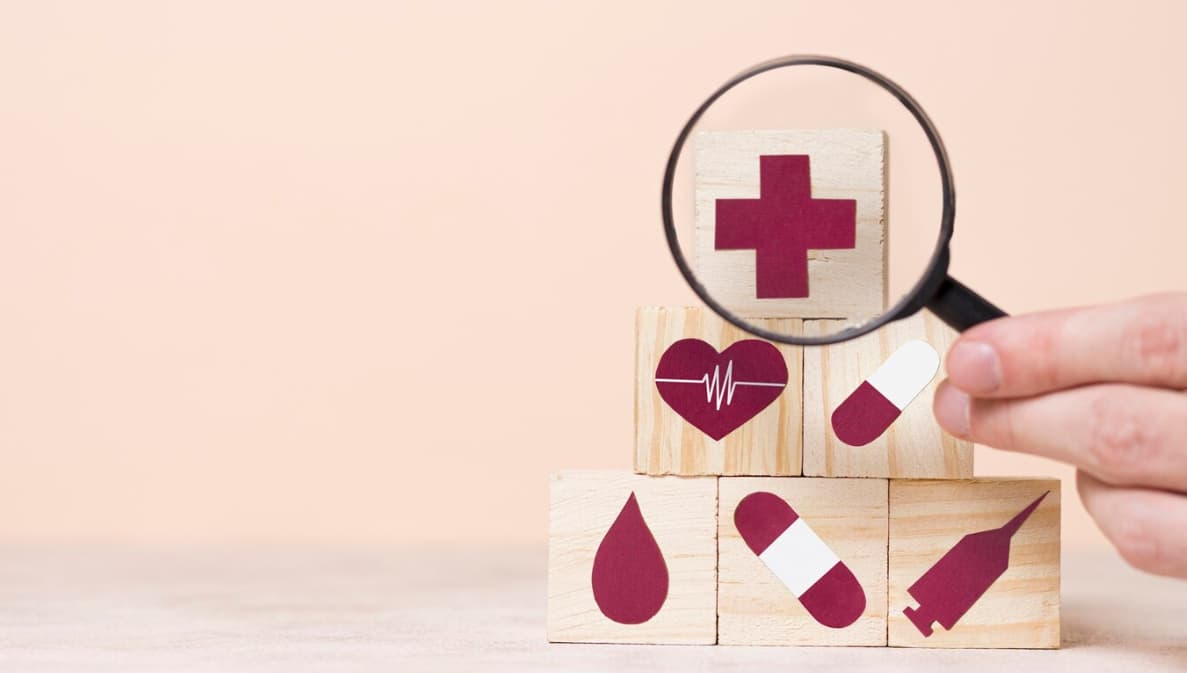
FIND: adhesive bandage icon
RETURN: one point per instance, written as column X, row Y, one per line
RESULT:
column 880, row 399
column 789, row 547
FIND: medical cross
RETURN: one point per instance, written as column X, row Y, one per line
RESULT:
column 783, row 224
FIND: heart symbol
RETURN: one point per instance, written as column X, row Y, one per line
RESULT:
column 718, row 392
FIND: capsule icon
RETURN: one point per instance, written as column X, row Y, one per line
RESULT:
column 789, row 547
column 879, row 400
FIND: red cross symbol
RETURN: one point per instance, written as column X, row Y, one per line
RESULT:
column 783, row 224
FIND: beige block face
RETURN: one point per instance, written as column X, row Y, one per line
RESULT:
column 914, row 446
column 844, row 164
column 665, row 443
column 682, row 516
column 1018, row 610
column 755, row 608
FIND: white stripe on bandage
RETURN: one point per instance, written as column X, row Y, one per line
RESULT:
column 798, row 557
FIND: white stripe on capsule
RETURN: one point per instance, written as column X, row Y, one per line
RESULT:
column 906, row 373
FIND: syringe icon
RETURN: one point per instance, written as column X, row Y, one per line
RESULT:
column 950, row 587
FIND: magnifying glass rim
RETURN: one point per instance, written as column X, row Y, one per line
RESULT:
column 911, row 301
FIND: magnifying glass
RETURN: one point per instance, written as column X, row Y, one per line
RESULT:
column 815, row 188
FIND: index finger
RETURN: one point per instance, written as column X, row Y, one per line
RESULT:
column 1142, row 341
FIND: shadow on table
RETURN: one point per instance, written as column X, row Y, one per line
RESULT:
column 1130, row 627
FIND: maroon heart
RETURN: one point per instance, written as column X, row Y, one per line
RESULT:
column 718, row 392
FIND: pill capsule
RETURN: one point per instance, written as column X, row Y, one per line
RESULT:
column 878, row 401
column 800, row 559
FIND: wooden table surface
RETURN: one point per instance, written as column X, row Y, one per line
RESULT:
column 463, row 609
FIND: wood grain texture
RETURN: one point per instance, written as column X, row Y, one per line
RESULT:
column 682, row 516
column 768, row 444
column 1020, row 609
column 845, row 164
column 755, row 608
column 915, row 446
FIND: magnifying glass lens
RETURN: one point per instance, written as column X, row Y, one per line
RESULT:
column 811, row 192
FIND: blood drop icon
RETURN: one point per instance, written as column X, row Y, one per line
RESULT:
column 630, row 577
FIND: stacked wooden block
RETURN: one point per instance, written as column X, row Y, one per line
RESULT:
column 748, row 521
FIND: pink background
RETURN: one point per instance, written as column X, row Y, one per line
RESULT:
column 367, row 271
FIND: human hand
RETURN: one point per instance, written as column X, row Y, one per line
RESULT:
column 1101, row 388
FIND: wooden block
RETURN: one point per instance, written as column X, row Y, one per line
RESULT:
column 914, row 446
column 666, row 443
column 1020, row 609
column 754, row 607
column 681, row 514
column 844, row 164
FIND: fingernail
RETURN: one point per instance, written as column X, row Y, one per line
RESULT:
column 952, row 409
column 973, row 366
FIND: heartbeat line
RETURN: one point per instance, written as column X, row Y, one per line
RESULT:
column 718, row 388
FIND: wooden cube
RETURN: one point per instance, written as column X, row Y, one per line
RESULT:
column 914, row 446
column 681, row 517
column 757, row 607
column 667, row 442
column 941, row 561
column 844, row 278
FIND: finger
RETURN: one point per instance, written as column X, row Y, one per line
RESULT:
column 1145, row 525
column 1121, row 434
column 1142, row 341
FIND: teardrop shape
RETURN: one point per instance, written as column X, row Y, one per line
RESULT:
column 630, row 577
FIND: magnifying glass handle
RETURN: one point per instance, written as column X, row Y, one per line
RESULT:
column 960, row 307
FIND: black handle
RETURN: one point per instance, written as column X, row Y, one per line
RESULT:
column 960, row 307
